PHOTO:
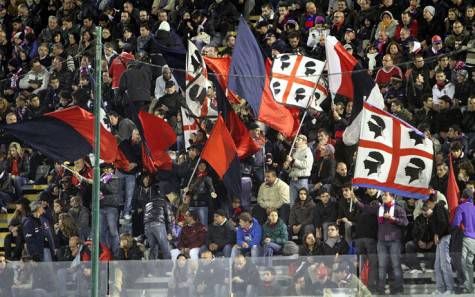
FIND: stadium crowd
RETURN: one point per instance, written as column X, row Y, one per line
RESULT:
column 420, row 53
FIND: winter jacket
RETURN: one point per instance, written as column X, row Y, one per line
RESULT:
column 209, row 274
column 422, row 229
column 253, row 236
column 158, row 210
column 302, row 163
column 136, row 80
column 221, row 234
column 111, row 192
column 118, row 66
column 277, row 233
column 81, row 216
column 340, row 247
column 439, row 220
column 134, row 253
column 38, row 236
column 273, row 196
column 305, row 251
column 465, row 214
column 42, row 79
column 420, row 203
column 325, row 213
column 201, row 189
column 193, row 236
column 388, row 231
column 249, row 274
column 302, row 214
column 468, row 121
column 344, row 210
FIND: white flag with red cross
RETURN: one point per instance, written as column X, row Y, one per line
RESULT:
column 294, row 81
column 392, row 155
column 190, row 126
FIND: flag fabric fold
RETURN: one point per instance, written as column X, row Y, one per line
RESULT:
column 347, row 78
column 221, row 154
column 392, row 155
column 159, row 137
column 65, row 135
column 453, row 191
column 249, row 79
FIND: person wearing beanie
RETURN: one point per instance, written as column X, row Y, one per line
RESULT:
column 388, row 24
column 429, row 26
column 221, row 235
column 465, row 216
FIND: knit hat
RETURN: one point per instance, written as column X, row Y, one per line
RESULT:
column 169, row 83
column 329, row 148
column 387, row 12
column 467, row 194
column 220, row 212
column 319, row 20
column 430, row 9
column 436, row 39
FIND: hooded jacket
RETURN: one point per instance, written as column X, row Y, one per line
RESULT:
column 302, row 214
column 273, row 196
column 252, row 236
column 118, row 66
column 465, row 214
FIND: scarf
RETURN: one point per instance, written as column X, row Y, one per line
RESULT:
column 331, row 241
column 202, row 174
column 440, row 85
column 385, row 208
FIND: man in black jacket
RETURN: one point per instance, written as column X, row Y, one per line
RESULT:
column 158, row 220
column 221, row 235
column 111, row 189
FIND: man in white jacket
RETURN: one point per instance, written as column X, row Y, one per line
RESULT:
column 36, row 79
column 300, row 166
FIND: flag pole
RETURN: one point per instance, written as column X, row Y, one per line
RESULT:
column 304, row 115
column 194, row 171
column 97, row 173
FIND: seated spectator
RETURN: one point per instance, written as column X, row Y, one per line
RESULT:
column 302, row 215
column 221, row 235
column 15, row 234
column 248, row 236
column 383, row 76
column 268, row 285
column 309, row 246
column 64, row 230
column 442, row 87
column 274, row 234
column 192, row 237
column 6, row 275
column 326, row 212
column 128, row 250
column 181, row 281
column 335, row 244
column 299, row 286
column 210, row 275
column 388, row 24
column 36, row 79
column 273, row 194
column 245, row 277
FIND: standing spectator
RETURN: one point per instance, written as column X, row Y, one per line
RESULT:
column 465, row 215
column 109, row 207
column 158, row 221
column 118, row 66
column 300, row 166
column 192, row 237
column 81, row 215
column 391, row 219
column 202, row 193
column 136, row 83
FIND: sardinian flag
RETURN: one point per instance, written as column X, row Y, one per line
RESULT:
column 347, row 78
column 190, row 125
column 294, row 79
column 392, row 155
column 197, row 85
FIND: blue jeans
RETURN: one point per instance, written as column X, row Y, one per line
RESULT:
column 271, row 248
column 224, row 252
column 443, row 268
column 130, row 180
column 109, row 229
column 295, row 185
column 202, row 213
column 156, row 234
column 254, row 251
column 390, row 250
column 468, row 253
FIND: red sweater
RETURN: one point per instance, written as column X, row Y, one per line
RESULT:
column 118, row 66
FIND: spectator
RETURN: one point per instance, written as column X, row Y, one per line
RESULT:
column 81, row 215
column 299, row 166
column 302, row 215
column 210, row 275
column 274, row 234
column 309, row 246
column 391, row 219
column 334, row 244
column 248, row 236
column 388, row 24
column 221, row 235
column 181, row 282
column 465, row 214
column 273, row 194
column 202, row 193
column 129, row 250
column 36, row 79
column 245, row 277
column 109, row 207
column 384, row 75
column 192, row 237
column 326, row 212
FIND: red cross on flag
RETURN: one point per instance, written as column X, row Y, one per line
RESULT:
column 392, row 155
column 197, row 84
column 190, row 126
column 294, row 79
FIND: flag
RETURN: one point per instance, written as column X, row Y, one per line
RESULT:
column 249, row 79
column 190, row 126
column 453, row 191
column 220, row 153
column 159, row 137
column 219, row 69
column 196, row 91
column 294, row 79
column 392, row 155
column 65, row 135
column 347, row 78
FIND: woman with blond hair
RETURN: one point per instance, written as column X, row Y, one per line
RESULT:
column 18, row 165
